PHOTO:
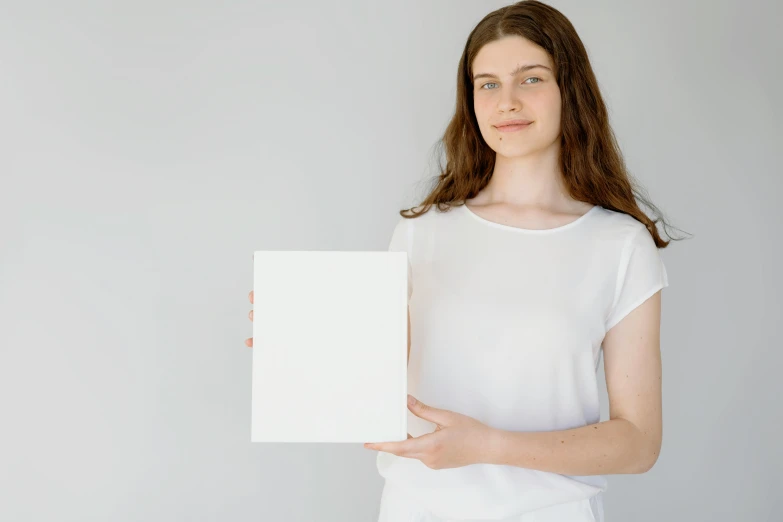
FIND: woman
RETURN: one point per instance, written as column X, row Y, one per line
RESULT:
column 528, row 257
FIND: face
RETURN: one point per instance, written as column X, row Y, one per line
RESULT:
column 512, row 90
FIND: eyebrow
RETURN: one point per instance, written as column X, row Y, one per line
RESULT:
column 519, row 69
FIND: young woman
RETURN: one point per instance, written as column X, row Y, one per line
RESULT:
column 528, row 258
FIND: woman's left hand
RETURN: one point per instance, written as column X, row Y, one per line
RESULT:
column 458, row 440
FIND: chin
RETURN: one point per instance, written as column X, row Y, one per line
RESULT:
column 515, row 152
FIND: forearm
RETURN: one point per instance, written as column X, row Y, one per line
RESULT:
column 612, row 447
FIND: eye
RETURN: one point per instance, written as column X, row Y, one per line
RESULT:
column 531, row 78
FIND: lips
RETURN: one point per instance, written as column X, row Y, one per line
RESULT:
column 509, row 126
column 507, row 123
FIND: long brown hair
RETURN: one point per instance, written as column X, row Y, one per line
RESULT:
column 590, row 159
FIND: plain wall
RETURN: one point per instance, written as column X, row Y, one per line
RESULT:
column 148, row 148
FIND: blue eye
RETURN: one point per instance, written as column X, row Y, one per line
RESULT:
column 531, row 78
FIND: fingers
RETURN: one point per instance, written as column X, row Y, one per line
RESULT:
column 249, row 342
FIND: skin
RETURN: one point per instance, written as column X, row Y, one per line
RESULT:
column 526, row 187
column 526, row 191
column 249, row 340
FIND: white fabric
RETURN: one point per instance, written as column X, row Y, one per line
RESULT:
column 397, row 506
column 506, row 327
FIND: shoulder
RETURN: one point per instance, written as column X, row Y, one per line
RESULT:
column 618, row 225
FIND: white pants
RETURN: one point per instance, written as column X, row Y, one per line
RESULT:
column 396, row 506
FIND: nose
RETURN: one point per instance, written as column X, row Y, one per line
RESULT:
column 509, row 101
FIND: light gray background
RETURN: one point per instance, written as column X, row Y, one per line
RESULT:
column 148, row 148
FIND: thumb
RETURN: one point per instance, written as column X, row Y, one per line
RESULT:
column 429, row 413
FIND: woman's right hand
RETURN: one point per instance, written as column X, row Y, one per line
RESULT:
column 249, row 341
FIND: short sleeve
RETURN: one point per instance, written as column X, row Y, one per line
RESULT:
column 641, row 274
column 402, row 241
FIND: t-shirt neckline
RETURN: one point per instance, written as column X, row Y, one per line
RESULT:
column 520, row 230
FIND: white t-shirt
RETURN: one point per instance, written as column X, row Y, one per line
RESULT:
column 506, row 327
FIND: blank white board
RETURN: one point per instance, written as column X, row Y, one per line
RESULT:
column 330, row 345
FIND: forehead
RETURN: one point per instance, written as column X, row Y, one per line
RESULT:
column 502, row 56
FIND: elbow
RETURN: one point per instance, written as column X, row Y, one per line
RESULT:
column 646, row 449
column 645, row 466
column 649, row 457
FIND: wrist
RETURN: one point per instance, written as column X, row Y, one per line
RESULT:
column 493, row 447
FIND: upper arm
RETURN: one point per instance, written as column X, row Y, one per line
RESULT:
column 632, row 365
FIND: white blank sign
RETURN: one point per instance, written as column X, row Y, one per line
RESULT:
column 330, row 344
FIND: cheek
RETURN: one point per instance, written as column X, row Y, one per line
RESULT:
column 481, row 108
column 546, row 110
column 482, row 111
column 544, row 103
column 553, row 105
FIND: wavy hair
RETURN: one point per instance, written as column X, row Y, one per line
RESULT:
column 590, row 158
